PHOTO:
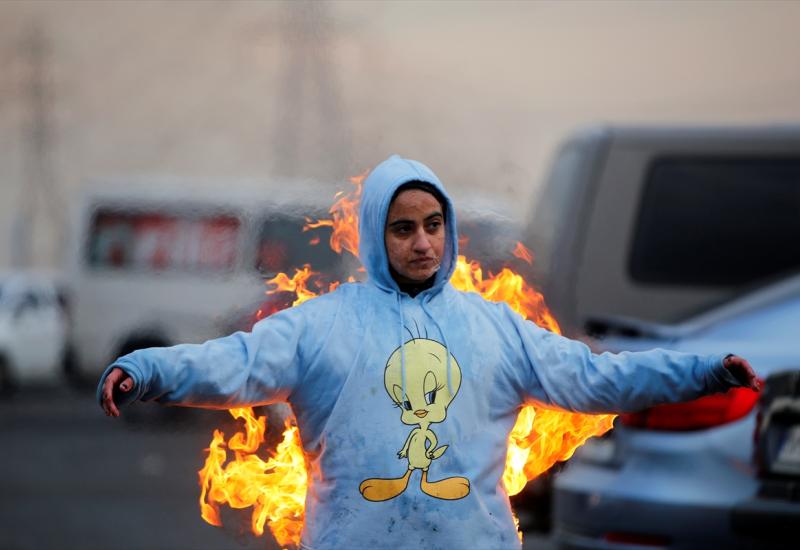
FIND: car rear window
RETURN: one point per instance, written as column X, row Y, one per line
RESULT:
column 717, row 222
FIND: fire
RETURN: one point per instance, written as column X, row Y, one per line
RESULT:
column 344, row 218
column 507, row 286
column 276, row 488
column 522, row 252
column 298, row 284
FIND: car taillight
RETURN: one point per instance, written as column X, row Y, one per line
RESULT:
column 706, row 412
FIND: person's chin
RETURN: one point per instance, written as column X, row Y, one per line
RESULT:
column 422, row 275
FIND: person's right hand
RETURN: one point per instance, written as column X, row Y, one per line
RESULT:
column 117, row 379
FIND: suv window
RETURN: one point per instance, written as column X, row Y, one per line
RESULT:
column 717, row 222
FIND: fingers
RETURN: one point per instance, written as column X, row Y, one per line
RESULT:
column 748, row 374
column 743, row 371
column 111, row 383
column 755, row 383
column 108, row 404
column 127, row 384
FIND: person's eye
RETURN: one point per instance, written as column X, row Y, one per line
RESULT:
column 430, row 397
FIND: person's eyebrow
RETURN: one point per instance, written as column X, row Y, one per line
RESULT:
column 434, row 215
column 405, row 220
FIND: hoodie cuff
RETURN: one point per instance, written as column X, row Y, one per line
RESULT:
column 721, row 378
column 123, row 398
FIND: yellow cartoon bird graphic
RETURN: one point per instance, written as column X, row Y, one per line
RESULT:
column 425, row 401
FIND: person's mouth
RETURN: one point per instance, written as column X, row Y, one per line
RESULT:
column 423, row 261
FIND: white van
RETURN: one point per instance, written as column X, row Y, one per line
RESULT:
column 156, row 265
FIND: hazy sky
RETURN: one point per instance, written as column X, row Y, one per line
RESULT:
column 212, row 93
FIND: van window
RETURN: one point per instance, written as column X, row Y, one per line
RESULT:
column 160, row 241
column 283, row 246
column 717, row 222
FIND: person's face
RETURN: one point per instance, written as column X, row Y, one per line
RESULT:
column 414, row 236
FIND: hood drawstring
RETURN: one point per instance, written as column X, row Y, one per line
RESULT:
column 402, row 348
column 444, row 338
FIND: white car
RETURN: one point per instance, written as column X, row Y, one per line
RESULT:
column 33, row 330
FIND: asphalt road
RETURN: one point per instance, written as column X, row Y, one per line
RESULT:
column 72, row 478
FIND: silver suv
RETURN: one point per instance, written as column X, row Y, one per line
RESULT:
column 680, row 238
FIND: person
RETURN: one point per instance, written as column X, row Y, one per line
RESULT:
column 405, row 389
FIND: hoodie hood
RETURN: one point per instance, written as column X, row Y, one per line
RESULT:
column 379, row 187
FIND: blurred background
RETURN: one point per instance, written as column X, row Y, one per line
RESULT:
column 122, row 122
column 227, row 91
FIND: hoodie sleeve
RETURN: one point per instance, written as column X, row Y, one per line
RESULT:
column 552, row 369
column 258, row 367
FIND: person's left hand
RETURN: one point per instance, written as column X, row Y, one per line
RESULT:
column 742, row 371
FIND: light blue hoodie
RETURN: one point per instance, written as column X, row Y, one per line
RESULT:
column 405, row 404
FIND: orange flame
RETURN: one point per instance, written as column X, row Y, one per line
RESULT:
column 275, row 488
column 298, row 285
column 522, row 252
column 506, row 286
column 540, row 437
column 344, row 218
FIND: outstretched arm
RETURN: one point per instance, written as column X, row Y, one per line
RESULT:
column 556, row 370
column 242, row 369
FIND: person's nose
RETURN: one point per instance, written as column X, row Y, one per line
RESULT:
column 421, row 242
